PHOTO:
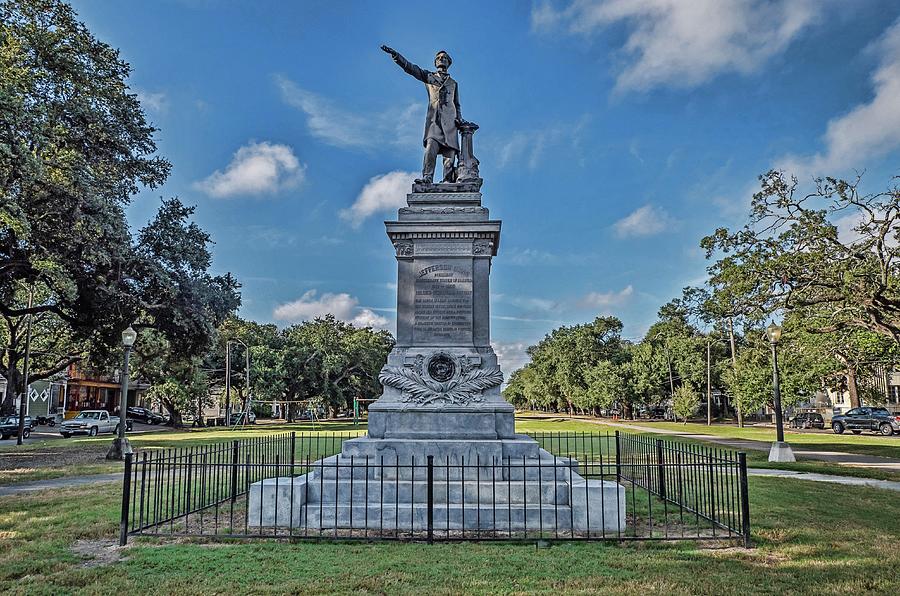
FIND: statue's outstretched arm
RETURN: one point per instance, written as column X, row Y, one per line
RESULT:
column 410, row 68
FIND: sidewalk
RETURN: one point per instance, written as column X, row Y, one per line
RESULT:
column 64, row 482
column 838, row 457
column 845, row 480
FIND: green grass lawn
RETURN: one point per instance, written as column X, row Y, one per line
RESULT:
column 808, row 538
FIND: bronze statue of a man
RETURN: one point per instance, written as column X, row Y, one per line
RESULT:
column 443, row 113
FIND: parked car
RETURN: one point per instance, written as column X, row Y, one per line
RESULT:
column 236, row 418
column 807, row 420
column 652, row 412
column 90, row 422
column 860, row 419
column 146, row 416
column 9, row 427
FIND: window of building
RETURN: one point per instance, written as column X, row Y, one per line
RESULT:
column 894, row 393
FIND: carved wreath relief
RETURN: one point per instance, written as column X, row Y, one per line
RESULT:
column 441, row 379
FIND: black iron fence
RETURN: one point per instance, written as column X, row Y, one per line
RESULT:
column 584, row 486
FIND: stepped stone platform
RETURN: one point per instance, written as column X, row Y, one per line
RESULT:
column 505, row 495
column 442, row 400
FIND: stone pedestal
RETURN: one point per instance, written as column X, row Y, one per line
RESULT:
column 442, row 378
column 442, row 399
column 781, row 452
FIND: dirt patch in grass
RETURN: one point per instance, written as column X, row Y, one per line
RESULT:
column 97, row 553
column 52, row 456
column 54, row 462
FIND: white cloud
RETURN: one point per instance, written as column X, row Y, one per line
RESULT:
column 529, row 146
column 343, row 306
column 868, row 130
column 644, row 221
column 605, row 300
column 268, row 236
column 684, row 43
column 154, row 102
column 528, row 257
column 255, row 169
column 381, row 193
column 511, row 356
column 347, row 128
column 530, row 303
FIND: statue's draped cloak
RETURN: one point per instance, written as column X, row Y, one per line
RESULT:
column 443, row 105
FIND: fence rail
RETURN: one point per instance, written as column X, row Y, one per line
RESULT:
column 596, row 486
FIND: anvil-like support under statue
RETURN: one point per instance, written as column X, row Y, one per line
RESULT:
column 442, row 380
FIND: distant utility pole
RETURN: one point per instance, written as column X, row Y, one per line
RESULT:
column 23, row 400
column 708, row 382
column 228, row 375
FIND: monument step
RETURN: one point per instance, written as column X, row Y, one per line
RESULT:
column 454, row 492
column 444, row 451
column 282, row 502
column 545, row 469
column 414, row 517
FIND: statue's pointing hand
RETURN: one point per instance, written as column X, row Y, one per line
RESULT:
column 390, row 51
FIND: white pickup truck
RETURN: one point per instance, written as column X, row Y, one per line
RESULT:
column 90, row 422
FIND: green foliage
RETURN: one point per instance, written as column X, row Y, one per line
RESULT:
column 560, row 375
column 685, row 401
column 74, row 148
column 325, row 360
column 801, row 372
column 790, row 255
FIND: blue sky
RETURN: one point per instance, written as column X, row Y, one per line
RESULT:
column 614, row 135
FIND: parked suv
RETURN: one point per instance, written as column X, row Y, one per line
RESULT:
column 9, row 427
column 808, row 420
column 146, row 416
column 860, row 419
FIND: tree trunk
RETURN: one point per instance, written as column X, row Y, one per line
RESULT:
column 174, row 415
column 198, row 418
column 9, row 399
column 852, row 387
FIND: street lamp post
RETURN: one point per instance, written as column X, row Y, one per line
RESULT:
column 120, row 445
column 780, row 451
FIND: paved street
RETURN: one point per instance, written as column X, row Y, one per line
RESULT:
column 51, row 433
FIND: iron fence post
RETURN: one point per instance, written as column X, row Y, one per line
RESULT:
column 618, row 461
column 430, row 499
column 745, row 499
column 660, row 469
column 293, row 450
column 234, row 470
column 126, row 501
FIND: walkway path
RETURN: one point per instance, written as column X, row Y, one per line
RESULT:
column 64, row 482
column 838, row 457
column 847, row 480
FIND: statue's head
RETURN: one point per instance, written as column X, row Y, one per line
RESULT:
column 442, row 61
